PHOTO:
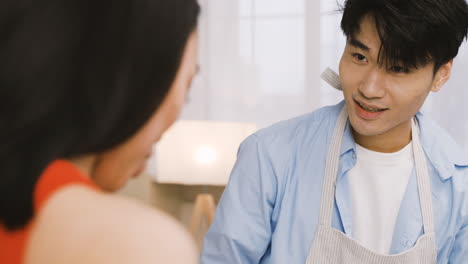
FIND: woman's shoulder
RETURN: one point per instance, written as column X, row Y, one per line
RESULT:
column 80, row 225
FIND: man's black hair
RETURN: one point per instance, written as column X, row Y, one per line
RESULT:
column 413, row 33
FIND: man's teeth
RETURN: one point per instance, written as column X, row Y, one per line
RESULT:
column 373, row 110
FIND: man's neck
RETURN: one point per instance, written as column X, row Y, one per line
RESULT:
column 388, row 142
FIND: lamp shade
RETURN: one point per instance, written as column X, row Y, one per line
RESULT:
column 198, row 152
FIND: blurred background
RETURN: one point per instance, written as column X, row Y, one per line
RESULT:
column 260, row 63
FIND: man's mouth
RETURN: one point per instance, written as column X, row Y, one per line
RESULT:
column 370, row 108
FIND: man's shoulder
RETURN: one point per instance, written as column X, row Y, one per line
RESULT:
column 297, row 129
column 447, row 156
column 439, row 144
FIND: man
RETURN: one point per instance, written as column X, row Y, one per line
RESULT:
column 370, row 180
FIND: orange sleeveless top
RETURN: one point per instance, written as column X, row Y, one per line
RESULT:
column 56, row 176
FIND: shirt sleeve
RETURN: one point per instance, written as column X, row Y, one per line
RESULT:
column 241, row 231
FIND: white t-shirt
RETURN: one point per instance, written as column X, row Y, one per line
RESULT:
column 377, row 185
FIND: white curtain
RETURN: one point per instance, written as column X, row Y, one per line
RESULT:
column 259, row 61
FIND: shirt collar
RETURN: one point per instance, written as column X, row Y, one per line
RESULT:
column 348, row 140
column 440, row 148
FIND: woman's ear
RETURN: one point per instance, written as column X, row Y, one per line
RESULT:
column 442, row 76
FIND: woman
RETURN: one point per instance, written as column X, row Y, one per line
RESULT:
column 87, row 87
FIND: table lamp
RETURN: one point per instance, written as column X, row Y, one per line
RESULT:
column 198, row 153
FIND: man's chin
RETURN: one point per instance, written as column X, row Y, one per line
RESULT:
column 366, row 130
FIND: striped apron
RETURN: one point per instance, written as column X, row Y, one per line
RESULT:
column 331, row 246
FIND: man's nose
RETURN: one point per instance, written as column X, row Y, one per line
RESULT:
column 373, row 85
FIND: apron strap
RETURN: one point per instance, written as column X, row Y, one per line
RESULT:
column 424, row 183
column 331, row 170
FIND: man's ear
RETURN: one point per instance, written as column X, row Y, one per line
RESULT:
column 442, row 76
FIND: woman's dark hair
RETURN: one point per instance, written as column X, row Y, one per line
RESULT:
column 79, row 77
column 413, row 33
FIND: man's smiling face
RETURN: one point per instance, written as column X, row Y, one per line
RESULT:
column 381, row 99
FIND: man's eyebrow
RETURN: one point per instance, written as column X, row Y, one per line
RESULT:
column 358, row 44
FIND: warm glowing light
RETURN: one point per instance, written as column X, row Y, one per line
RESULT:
column 205, row 155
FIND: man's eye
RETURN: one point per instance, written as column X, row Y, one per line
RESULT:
column 399, row 69
column 360, row 57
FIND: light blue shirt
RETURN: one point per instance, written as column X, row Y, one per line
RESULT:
column 270, row 208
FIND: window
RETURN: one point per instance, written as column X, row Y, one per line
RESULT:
column 259, row 61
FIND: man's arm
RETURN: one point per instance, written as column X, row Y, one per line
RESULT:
column 241, row 231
